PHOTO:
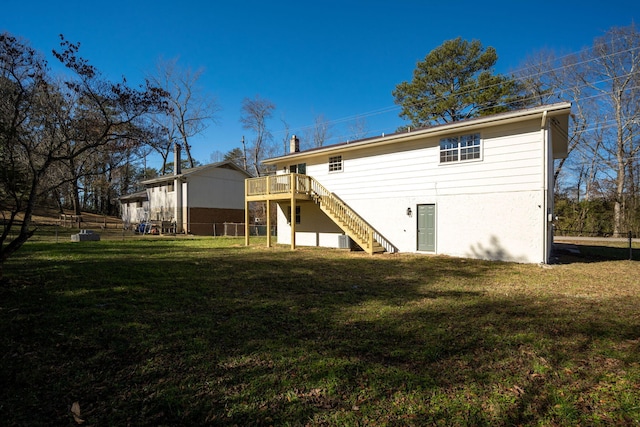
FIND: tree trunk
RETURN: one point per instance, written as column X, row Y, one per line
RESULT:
column 75, row 194
column 187, row 150
column 618, row 208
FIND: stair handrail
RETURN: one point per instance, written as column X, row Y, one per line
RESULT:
column 294, row 183
column 341, row 210
column 358, row 226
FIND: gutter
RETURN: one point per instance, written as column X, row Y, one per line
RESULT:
column 546, row 112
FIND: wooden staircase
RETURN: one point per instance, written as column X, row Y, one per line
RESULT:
column 346, row 218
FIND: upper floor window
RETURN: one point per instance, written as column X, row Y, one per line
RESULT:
column 335, row 163
column 460, row 148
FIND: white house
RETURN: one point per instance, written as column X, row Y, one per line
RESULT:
column 195, row 199
column 134, row 208
column 480, row 188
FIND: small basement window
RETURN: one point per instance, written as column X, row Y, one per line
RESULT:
column 335, row 164
column 297, row 215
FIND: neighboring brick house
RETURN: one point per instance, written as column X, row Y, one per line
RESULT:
column 195, row 199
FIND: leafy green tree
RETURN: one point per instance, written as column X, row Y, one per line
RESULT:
column 236, row 156
column 456, row 82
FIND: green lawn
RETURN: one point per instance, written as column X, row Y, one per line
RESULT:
column 207, row 331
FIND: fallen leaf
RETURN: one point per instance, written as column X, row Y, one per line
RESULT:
column 518, row 390
column 75, row 411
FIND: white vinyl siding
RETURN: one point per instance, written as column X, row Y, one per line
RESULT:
column 510, row 163
column 217, row 188
column 486, row 208
column 314, row 229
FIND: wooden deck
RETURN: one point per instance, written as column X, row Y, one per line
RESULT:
column 278, row 187
column 294, row 187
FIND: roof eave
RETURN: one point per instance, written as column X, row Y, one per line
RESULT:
column 187, row 172
column 503, row 118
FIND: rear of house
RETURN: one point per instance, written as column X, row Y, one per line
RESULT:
column 481, row 188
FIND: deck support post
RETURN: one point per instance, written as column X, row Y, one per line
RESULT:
column 293, row 212
column 370, row 250
column 268, row 223
column 246, row 215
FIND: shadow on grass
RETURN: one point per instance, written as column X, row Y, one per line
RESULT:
column 584, row 253
column 151, row 334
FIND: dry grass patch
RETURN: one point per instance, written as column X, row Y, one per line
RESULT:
column 206, row 331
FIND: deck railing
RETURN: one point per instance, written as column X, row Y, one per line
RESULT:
column 350, row 221
column 339, row 209
column 277, row 184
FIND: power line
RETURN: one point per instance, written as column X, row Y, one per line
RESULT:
column 519, row 76
column 522, row 75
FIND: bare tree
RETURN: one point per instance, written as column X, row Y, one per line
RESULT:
column 321, row 130
column 603, row 83
column 540, row 78
column 190, row 108
column 43, row 124
column 610, row 75
column 255, row 113
column 286, row 137
column 358, row 129
column 544, row 78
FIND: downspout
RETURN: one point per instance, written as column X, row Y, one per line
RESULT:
column 545, row 188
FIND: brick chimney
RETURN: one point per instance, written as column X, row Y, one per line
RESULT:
column 295, row 144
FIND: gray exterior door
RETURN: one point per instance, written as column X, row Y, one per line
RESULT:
column 427, row 228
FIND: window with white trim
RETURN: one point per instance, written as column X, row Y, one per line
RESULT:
column 460, row 148
column 335, row 164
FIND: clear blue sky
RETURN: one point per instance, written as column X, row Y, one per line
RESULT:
column 339, row 59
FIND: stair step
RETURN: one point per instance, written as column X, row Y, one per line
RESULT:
column 343, row 219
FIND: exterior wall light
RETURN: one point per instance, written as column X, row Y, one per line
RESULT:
column 408, row 211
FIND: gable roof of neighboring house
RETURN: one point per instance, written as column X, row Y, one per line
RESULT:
column 139, row 196
column 228, row 164
column 557, row 113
